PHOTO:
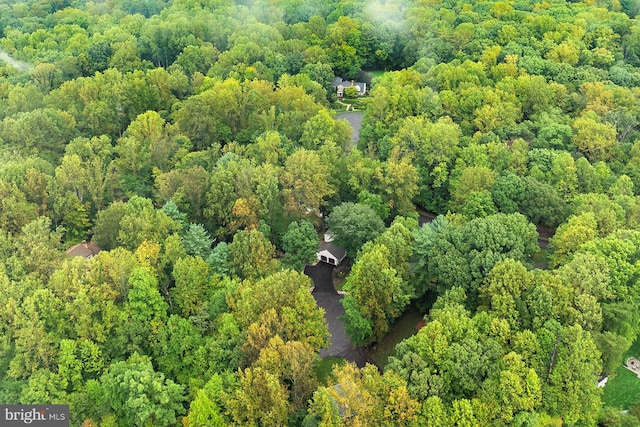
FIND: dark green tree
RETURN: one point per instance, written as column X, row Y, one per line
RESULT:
column 453, row 255
column 178, row 350
column 218, row 259
column 300, row 245
column 352, row 225
column 196, row 241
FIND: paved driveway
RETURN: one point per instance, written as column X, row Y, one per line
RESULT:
column 355, row 120
column 327, row 298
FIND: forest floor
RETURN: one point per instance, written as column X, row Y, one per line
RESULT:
column 541, row 260
column 325, row 368
column 544, row 234
column 404, row 328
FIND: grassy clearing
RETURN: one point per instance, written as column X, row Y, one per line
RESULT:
column 404, row 328
column 340, row 274
column 623, row 391
column 323, row 370
column 376, row 73
column 541, row 259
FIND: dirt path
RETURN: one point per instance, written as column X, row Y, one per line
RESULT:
column 346, row 106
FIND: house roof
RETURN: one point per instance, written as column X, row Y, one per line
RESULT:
column 338, row 81
column 338, row 252
column 84, row 249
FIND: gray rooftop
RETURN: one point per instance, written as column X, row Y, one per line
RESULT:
column 333, row 249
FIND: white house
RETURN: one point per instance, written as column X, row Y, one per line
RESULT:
column 330, row 253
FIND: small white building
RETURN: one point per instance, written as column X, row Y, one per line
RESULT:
column 331, row 253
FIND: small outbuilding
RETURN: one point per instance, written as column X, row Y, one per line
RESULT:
column 602, row 382
column 331, row 253
column 84, row 249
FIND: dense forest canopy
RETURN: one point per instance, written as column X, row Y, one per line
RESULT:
column 194, row 141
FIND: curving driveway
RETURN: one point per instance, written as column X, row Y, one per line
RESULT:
column 327, row 298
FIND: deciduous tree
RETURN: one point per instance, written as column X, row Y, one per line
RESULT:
column 569, row 236
column 140, row 396
column 594, row 138
column 192, row 285
column 280, row 304
column 261, row 399
column 305, row 184
column 251, row 255
column 300, row 245
column 380, row 294
column 354, row 224
column 364, row 397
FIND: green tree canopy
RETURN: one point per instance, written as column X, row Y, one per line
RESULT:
column 300, row 245
column 454, row 255
column 139, row 396
column 377, row 294
column 352, row 225
column 279, row 304
column 251, row 255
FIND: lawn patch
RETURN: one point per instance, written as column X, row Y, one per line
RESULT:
column 376, row 74
column 540, row 259
column 404, row 328
column 623, row 391
column 324, row 368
